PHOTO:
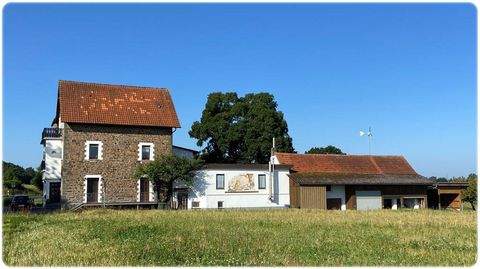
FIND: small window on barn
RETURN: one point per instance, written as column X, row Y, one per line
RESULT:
column 220, row 204
column 220, row 182
column 262, row 182
column 195, row 204
column 93, row 150
column 329, row 187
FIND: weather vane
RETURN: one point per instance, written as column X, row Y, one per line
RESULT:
column 369, row 135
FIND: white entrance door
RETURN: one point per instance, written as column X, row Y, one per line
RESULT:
column 369, row 200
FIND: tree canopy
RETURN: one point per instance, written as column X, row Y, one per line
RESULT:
column 240, row 129
column 438, row 179
column 165, row 170
column 325, row 150
column 469, row 195
column 14, row 175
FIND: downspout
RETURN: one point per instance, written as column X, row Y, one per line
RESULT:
column 271, row 170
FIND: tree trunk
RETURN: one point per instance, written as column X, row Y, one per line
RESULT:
column 169, row 194
column 473, row 205
column 157, row 193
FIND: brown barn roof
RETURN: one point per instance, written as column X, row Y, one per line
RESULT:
column 84, row 102
column 350, row 164
column 350, row 169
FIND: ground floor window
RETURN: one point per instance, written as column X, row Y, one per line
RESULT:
column 391, row 203
column 413, row 202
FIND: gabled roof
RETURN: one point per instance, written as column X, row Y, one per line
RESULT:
column 311, row 169
column 95, row 103
column 349, row 164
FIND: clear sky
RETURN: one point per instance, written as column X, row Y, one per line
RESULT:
column 408, row 70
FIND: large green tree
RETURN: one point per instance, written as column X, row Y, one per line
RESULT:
column 240, row 129
column 325, row 150
column 166, row 169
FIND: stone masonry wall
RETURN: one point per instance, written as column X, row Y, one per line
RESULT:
column 120, row 158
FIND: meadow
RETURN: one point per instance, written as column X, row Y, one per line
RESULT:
column 233, row 237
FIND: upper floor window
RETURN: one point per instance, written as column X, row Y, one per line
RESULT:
column 262, row 182
column 145, row 151
column 93, row 150
column 220, row 181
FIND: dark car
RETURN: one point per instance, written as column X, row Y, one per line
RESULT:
column 21, row 202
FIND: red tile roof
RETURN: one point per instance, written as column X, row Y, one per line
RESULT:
column 83, row 102
column 347, row 164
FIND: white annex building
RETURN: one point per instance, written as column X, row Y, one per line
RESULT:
column 238, row 186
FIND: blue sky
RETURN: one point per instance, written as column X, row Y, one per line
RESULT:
column 408, row 70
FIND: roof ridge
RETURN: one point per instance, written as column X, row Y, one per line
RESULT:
column 113, row 85
column 346, row 155
column 379, row 170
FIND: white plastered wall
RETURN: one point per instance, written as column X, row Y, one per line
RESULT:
column 204, row 190
column 53, row 159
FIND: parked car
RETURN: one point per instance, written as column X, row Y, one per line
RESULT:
column 21, row 202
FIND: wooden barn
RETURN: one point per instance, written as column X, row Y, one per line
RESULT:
column 363, row 182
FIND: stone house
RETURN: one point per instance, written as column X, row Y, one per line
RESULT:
column 99, row 135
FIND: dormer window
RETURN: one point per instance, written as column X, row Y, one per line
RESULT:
column 145, row 151
column 93, row 150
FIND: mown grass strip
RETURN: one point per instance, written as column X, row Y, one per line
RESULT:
column 240, row 237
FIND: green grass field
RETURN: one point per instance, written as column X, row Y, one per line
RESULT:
column 269, row 237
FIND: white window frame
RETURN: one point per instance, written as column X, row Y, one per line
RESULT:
column 258, row 181
column 100, row 187
column 87, row 150
column 216, row 182
column 152, row 150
